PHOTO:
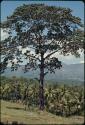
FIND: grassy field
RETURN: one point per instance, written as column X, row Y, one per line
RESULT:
column 15, row 112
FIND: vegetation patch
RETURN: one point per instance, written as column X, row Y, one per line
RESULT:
column 62, row 100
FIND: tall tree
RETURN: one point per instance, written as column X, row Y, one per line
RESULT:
column 45, row 30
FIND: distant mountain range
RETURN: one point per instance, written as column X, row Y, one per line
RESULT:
column 72, row 73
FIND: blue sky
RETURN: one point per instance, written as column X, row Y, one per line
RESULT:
column 7, row 8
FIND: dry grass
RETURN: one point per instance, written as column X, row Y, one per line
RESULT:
column 15, row 112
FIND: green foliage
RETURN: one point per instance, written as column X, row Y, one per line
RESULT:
column 44, row 29
column 61, row 99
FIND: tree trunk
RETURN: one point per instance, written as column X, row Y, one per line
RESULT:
column 41, row 89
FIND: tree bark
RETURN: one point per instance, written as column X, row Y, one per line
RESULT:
column 41, row 89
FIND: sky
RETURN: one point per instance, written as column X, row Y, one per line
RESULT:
column 7, row 8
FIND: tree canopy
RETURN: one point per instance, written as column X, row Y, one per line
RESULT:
column 45, row 29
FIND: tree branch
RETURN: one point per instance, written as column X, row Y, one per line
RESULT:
column 49, row 44
column 53, row 51
column 51, row 54
column 45, row 73
column 33, row 57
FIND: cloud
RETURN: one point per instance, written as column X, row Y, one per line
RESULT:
column 4, row 35
column 27, row 48
column 71, row 59
column 82, row 61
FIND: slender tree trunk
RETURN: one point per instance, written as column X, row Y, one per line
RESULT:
column 41, row 89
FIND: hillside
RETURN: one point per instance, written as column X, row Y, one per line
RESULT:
column 15, row 112
column 68, row 73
